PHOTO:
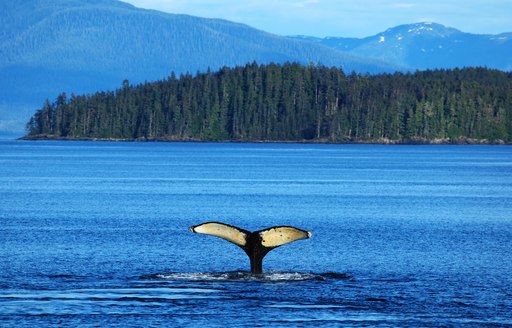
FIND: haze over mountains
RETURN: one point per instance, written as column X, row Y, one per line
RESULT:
column 81, row 46
column 428, row 45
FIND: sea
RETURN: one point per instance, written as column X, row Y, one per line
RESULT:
column 96, row 234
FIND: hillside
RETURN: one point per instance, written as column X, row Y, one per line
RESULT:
column 292, row 103
column 51, row 46
column 428, row 46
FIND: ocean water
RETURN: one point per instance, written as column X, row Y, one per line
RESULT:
column 96, row 234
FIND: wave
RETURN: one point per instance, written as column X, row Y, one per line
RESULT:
column 234, row 276
column 66, row 277
column 118, row 294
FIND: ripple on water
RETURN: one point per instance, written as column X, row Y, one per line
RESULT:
column 96, row 300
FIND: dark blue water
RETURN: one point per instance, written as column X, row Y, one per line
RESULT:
column 95, row 234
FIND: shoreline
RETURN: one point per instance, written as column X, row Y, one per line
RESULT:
column 382, row 141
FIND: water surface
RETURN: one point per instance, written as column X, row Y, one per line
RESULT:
column 95, row 234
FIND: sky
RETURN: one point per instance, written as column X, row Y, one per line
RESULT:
column 345, row 18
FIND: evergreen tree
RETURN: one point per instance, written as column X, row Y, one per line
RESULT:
column 291, row 102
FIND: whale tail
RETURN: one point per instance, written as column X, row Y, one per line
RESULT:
column 255, row 244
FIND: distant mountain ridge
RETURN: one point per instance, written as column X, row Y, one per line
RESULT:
column 82, row 46
column 50, row 46
column 428, row 45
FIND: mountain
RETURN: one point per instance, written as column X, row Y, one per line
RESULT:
column 428, row 46
column 82, row 46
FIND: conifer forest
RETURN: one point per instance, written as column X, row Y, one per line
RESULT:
column 291, row 102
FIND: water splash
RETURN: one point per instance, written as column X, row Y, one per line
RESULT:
column 235, row 276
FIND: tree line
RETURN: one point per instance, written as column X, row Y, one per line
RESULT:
column 291, row 102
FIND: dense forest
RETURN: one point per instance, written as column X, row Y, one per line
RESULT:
column 291, row 102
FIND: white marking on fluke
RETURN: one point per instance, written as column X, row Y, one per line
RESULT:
column 255, row 244
column 224, row 231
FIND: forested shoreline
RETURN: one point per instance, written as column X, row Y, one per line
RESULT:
column 291, row 102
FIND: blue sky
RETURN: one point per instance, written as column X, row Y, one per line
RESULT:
column 357, row 18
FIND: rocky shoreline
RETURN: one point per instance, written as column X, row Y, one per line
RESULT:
column 381, row 141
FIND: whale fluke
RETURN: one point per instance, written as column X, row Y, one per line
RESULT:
column 255, row 244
